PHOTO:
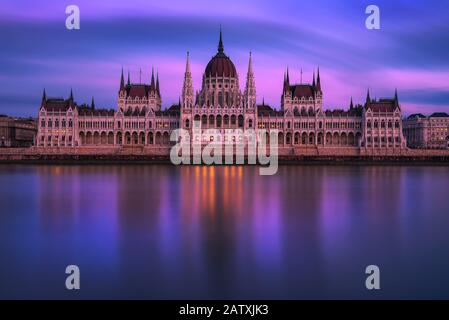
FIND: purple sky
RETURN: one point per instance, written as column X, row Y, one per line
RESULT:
column 409, row 52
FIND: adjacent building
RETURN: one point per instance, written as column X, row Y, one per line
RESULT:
column 431, row 132
column 17, row 132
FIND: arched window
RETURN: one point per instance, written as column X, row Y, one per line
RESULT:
column 220, row 99
column 187, row 123
column 240, row 121
column 250, row 123
column 218, row 121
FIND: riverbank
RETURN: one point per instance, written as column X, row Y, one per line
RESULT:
column 155, row 155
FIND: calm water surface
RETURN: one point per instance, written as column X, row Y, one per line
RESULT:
column 224, row 232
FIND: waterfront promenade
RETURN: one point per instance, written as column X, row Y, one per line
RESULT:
column 162, row 154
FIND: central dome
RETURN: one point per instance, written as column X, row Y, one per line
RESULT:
column 220, row 65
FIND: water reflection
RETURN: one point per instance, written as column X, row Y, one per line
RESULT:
column 225, row 232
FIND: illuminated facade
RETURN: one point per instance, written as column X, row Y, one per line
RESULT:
column 220, row 104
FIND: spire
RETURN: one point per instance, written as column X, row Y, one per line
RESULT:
column 263, row 101
column 396, row 95
column 187, row 88
column 286, row 81
column 71, row 94
column 250, row 89
column 301, row 77
column 122, row 81
column 318, row 81
column 188, row 63
column 129, row 79
column 351, row 105
column 152, row 85
column 92, row 104
column 157, row 82
column 44, row 96
column 250, row 63
column 368, row 98
column 220, row 43
column 313, row 82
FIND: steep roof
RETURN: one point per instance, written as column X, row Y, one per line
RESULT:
column 439, row 115
column 382, row 105
column 266, row 110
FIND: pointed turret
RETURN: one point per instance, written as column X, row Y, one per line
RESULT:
column 71, row 94
column 250, row 89
column 187, row 88
column 122, row 81
column 157, row 83
column 152, row 84
column 318, row 81
column 129, row 79
column 44, row 96
column 368, row 98
column 396, row 99
column 220, row 43
column 92, row 104
column 351, row 105
column 313, row 82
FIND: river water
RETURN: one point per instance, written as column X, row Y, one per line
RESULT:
column 224, row 232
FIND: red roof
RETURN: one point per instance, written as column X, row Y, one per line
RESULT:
column 221, row 65
column 383, row 105
column 301, row 90
column 57, row 104
column 138, row 90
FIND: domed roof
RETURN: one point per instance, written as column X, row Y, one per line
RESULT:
column 220, row 65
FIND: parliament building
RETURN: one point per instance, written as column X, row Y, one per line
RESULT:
column 140, row 121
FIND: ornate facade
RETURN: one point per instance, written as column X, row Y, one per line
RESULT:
column 220, row 104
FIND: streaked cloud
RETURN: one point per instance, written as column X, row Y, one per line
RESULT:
column 408, row 53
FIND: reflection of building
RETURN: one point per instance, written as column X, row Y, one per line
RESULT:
column 427, row 132
column 17, row 132
column 220, row 104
